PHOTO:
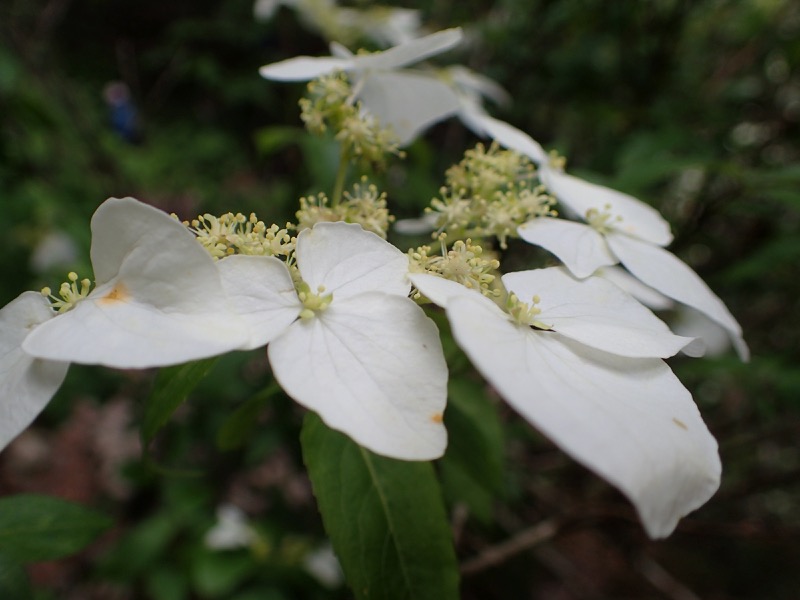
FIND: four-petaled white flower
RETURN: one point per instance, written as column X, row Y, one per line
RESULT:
column 158, row 298
column 346, row 341
column 406, row 100
column 159, row 301
column 580, row 364
column 622, row 229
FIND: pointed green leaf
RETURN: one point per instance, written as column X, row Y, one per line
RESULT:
column 173, row 385
column 35, row 528
column 385, row 518
column 13, row 580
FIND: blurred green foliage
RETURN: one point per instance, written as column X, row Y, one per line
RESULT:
column 693, row 106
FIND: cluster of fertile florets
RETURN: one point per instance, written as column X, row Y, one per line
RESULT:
column 464, row 263
column 69, row 294
column 237, row 234
column 489, row 194
column 330, row 106
column 364, row 205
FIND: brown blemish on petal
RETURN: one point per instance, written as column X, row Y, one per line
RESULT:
column 437, row 418
column 119, row 293
column 680, row 423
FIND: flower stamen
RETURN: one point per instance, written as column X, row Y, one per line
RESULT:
column 68, row 293
column 313, row 303
column 525, row 314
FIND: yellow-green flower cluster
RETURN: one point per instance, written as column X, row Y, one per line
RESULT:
column 489, row 194
column 365, row 205
column 464, row 263
column 330, row 105
column 238, row 234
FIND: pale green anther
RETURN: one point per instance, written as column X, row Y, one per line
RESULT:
column 69, row 293
column 525, row 314
column 313, row 303
column 601, row 221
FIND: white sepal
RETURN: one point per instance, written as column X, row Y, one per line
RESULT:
column 262, row 293
column 372, row 367
column 629, row 420
column 596, row 313
column 638, row 219
column 159, row 298
column 346, row 260
column 303, row 68
column 26, row 383
column 665, row 272
column 582, row 249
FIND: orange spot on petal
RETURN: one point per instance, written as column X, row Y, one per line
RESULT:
column 437, row 418
column 119, row 293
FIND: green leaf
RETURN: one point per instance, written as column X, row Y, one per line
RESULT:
column 173, row 385
column 385, row 518
column 35, row 528
column 473, row 466
column 239, row 426
column 13, row 580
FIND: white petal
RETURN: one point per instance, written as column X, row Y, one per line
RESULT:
column 372, row 367
column 638, row 219
column 130, row 334
column 629, row 420
column 582, row 249
column 412, row 51
column 643, row 293
column 510, row 137
column 303, row 68
column 26, row 383
column 713, row 337
column 159, row 299
column 262, row 293
column 438, row 289
column 423, row 224
column 478, row 84
column 346, row 260
column 409, row 102
column 666, row 273
column 595, row 312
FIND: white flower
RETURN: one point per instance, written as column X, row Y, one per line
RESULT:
column 158, row 298
column 405, row 100
column 361, row 354
column 323, row 565
column 623, row 230
column 591, row 384
column 26, row 383
column 231, row 531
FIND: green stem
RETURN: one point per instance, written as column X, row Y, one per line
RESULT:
column 341, row 175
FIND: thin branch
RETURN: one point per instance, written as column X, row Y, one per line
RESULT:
column 524, row 540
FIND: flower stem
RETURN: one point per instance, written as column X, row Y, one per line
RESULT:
column 341, row 175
